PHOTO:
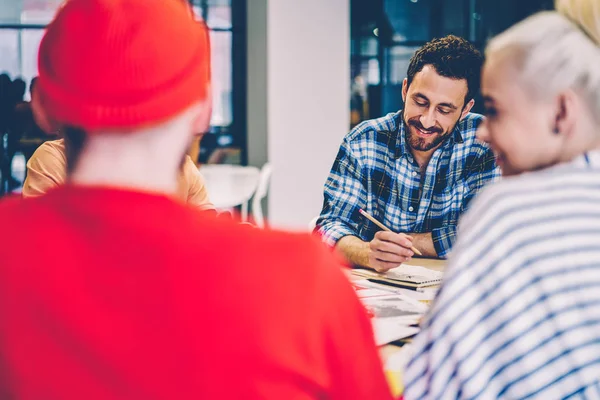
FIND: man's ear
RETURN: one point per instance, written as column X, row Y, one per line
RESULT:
column 404, row 89
column 467, row 108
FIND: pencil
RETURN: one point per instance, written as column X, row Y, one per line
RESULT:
column 385, row 228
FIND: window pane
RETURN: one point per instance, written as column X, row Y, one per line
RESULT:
column 9, row 48
column 368, row 46
column 39, row 11
column 221, row 78
column 198, row 10
column 410, row 19
column 398, row 59
column 219, row 14
column 30, row 43
column 10, row 12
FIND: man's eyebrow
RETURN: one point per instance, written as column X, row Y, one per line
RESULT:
column 421, row 96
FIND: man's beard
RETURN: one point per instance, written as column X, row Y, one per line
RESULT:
column 422, row 144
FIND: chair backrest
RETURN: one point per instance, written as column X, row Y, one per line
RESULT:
column 312, row 224
column 261, row 193
column 230, row 185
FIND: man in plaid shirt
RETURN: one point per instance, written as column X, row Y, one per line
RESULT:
column 416, row 170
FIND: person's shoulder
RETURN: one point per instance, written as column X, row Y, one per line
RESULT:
column 278, row 254
column 54, row 149
column 302, row 262
column 9, row 206
column 504, row 193
column 514, row 199
column 302, row 249
column 366, row 129
column 20, row 215
column 471, row 121
column 54, row 146
column 189, row 168
column 468, row 128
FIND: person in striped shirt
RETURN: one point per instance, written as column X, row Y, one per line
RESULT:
column 518, row 314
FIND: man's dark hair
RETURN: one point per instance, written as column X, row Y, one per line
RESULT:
column 452, row 57
column 32, row 84
column 18, row 89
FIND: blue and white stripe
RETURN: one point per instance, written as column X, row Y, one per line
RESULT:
column 518, row 314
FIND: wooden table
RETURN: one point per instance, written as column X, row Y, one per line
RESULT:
column 431, row 263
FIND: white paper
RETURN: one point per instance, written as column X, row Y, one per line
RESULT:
column 389, row 330
column 395, row 306
column 421, row 294
column 362, row 293
column 413, row 273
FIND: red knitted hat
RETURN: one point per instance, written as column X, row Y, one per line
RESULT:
column 119, row 64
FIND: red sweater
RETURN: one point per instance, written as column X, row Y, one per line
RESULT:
column 112, row 294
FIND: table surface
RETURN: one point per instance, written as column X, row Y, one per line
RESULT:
column 431, row 263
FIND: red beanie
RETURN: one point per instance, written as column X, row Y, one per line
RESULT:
column 122, row 64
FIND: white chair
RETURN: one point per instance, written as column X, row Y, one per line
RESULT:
column 312, row 224
column 261, row 193
column 229, row 186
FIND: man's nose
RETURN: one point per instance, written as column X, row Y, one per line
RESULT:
column 428, row 119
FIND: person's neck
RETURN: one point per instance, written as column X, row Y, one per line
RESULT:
column 586, row 139
column 145, row 162
column 423, row 157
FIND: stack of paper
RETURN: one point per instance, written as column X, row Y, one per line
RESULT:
column 394, row 317
column 414, row 273
column 397, row 299
column 407, row 276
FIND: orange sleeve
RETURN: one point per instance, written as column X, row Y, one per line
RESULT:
column 352, row 355
column 196, row 189
column 46, row 169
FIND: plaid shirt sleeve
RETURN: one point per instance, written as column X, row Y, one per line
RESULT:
column 345, row 193
column 482, row 172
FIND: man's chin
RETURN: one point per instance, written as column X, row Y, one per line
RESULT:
column 422, row 144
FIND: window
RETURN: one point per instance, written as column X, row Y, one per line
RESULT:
column 22, row 25
column 9, row 48
column 385, row 34
column 227, row 127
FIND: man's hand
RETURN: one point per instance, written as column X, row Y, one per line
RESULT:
column 388, row 250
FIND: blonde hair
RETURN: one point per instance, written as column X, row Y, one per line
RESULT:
column 550, row 54
column 585, row 13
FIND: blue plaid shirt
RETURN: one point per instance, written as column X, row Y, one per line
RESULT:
column 375, row 170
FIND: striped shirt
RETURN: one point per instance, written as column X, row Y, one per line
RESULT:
column 375, row 170
column 518, row 314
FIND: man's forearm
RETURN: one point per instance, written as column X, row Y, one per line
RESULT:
column 424, row 243
column 354, row 250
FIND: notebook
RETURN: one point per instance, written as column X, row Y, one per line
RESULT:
column 406, row 276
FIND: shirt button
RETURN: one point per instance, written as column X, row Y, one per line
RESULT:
column 411, row 209
column 414, row 173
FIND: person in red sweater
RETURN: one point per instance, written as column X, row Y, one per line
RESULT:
column 112, row 289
